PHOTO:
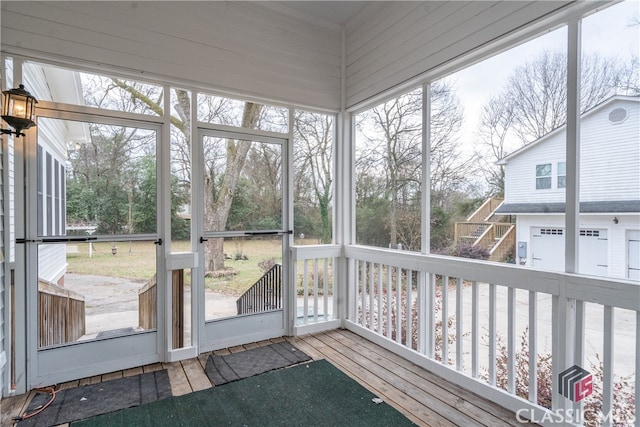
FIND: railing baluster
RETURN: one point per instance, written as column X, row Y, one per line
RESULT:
column 474, row 329
column 637, row 405
column 379, row 299
column 444, row 330
column 363, row 292
column 409, row 310
column 315, row 290
column 492, row 334
column 305, row 292
column 533, row 347
column 371, row 287
column 511, row 339
column 353, row 292
column 325, row 289
column 459, row 324
column 607, row 366
column 431, row 316
column 398, row 305
column 388, row 304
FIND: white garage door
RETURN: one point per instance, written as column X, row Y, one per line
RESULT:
column 547, row 250
column 633, row 255
column 593, row 252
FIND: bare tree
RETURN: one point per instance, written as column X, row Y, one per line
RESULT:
column 313, row 156
column 495, row 127
column 389, row 161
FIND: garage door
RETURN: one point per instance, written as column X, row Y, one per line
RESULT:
column 547, row 250
column 633, row 255
column 593, row 253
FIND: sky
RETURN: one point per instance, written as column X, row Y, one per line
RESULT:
column 609, row 32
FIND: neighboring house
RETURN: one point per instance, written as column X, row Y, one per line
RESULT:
column 46, row 84
column 535, row 181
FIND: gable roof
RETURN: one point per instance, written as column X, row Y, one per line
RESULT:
column 562, row 128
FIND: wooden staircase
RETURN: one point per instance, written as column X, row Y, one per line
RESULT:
column 486, row 230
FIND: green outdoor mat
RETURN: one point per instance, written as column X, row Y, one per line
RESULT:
column 87, row 401
column 236, row 366
column 311, row 394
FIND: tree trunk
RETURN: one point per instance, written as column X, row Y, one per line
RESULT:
column 217, row 204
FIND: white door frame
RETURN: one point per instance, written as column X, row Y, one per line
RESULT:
column 78, row 360
column 242, row 329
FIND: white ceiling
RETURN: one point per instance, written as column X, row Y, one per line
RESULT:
column 335, row 12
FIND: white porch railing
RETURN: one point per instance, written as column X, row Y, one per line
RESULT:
column 314, row 269
column 503, row 331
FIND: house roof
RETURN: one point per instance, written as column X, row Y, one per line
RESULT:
column 562, row 128
column 616, row 206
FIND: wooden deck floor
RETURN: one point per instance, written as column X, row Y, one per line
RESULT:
column 424, row 398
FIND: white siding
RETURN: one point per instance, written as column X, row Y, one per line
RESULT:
column 609, row 160
column 240, row 47
column 390, row 43
column 610, row 155
column 520, row 173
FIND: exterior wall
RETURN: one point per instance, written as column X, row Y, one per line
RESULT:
column 52, row 138
column 240, row 47
column 603, row 144
column 390, row 43
column 616, row 235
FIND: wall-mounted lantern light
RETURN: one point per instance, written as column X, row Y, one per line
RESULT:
column 18, row 110
column 615, row 219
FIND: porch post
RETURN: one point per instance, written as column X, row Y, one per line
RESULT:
column 343, row 214
column 426, row 282
column 568, row 339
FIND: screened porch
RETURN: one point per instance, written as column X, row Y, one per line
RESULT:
column 209, row 176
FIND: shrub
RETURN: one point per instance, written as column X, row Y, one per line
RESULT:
column 266, row 264
column 469, row 251
column 623, row 388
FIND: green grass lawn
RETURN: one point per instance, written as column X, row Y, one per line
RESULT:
column 137, row 260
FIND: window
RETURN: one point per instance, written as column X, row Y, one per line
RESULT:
column 543, row 176
column 313, row 137
column 251, row 115
column 562, row 174
column 388, row 173
column 93, row 90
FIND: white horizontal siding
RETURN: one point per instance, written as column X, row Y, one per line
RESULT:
column 52, row 262
column 520, row 173
column 390, row 43
column 240, row 47
column 609, row 161
column 610, row 155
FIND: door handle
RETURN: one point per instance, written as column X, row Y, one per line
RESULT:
column 267, row 233
column 202, row 240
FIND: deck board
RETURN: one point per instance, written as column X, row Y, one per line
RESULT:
column 418, row 412
column 420, row 395
column 452, row 403
column 452, row 395
column 196, row 376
